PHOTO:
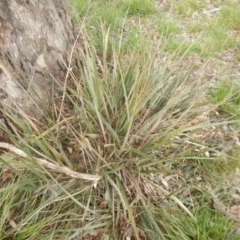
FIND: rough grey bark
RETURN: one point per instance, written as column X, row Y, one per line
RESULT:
column 36, row 37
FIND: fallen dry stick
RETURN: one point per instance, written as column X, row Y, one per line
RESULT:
column 52, row 166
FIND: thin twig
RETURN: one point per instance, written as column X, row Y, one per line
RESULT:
column 52, row 166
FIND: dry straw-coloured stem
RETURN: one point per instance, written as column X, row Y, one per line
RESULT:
column 52, row 166
column 223, row 209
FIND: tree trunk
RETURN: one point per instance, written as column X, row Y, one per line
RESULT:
column 36, row 37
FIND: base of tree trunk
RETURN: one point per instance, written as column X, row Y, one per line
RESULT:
column 35, row 41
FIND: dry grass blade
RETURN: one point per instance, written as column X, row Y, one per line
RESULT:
column 52, row 166
column 177, row 201
column 223, row 209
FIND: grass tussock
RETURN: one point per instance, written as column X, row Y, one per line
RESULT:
column 147, row 124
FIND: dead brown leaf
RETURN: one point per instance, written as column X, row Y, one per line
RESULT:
column 7, row 174
column 235, row 210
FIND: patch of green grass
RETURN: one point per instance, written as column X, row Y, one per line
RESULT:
column 79, row 8
column 110, row 14
column 205, row 169
column 196, row 27
column 138, row 7
column 168, row 26
column 209, row 224
column 216, row 38
column 212, row 37
column 229, row 17
column 114, row 20
column 227, row 95
column 135, row 40
column 216, row 33
column 188, row 7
